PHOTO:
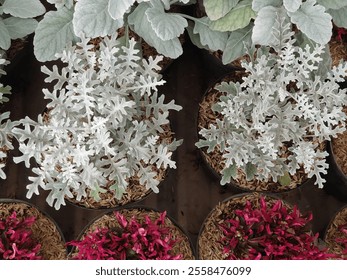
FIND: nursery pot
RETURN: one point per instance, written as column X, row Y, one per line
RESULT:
column 44, row 230
column 214, row 161
column 183, row 247
column 209, row 243
column 333, row 233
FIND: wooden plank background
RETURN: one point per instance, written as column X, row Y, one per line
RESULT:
column 190, row 192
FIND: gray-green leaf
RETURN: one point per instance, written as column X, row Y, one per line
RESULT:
column 117, row 8
column 250, row 170
column 141, row 25
column 239, row 17
column 228, row 173
column 285, row 180
column 215, row 40
column 166, row 26
column 332, row 4
column 235, row 46
column 20, row 27
column 216, row 9
column 292, row 5
column 5, row 39
column 339, row 16
column 53, row 33
column 257, row 5
column 264, row 23
column 24, row 8
column 93, row 19
column 312, row 20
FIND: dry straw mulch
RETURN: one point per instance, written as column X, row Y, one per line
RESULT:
column 333, row 232
column 108, row 220
column 44, row 229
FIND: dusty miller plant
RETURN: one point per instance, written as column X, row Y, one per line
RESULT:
column 249, row 21
column 286, row 98
column 6, row 124
column 104, row 123
column 17, row 19
column 154, row 21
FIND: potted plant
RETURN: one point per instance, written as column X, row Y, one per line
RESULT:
column 6, row 125
column 253, row 227
column 269, row 129
column 28, row 234
column 17, row 21
column 158, row 23
column 133, row 233
column 336, row 234
column 247, row 22
column 105, row 139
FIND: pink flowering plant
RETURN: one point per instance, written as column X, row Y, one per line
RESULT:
column 16, row 240
column 131, row 239
column 342, row 241
column 270, row 232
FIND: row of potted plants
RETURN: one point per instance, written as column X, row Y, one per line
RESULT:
column 105, row 138
column 245, row 226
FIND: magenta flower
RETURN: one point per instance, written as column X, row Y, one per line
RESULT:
column 268, row 233
column 149, row 240
column 16, row 242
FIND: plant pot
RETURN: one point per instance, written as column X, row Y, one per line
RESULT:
column 44, row 230
column 214, row 160
column 334, row 237
column 107, row 220
column 249, row 241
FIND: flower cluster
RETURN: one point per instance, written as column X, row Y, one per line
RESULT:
column 269, row 232
column 103, row 127
column 342, row 241
column 147, row 240
column 16, row 242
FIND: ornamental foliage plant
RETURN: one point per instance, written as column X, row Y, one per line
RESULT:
column 249, row 21
column 6, row 124
column 273, row 122
column 131, row 239
column 269, row 232
column 16, row 242
column 103, row 125
column 17, row 19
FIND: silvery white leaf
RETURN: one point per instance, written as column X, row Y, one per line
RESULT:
column 53, row 33
column 20, row 27
column 117, row 8
column 5, row 39
column 216, row 9
column 24, row 8
column 292, row 5
column 93, row 19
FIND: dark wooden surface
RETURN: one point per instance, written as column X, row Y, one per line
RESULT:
column 190, row 192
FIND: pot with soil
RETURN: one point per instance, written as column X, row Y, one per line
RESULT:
column 336, row 234
column 105, row 140
column 265, row 129
column 26, row 233
column 253, row 226
column 132, row 234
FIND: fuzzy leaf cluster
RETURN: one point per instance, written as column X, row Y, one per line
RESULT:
column 245, row 22
column 284, row 100
column 17, row 19
column 104, row 122
column 150, row 19
column 6, row 124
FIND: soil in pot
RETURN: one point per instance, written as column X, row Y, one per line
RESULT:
column 44, row 230
column 181, row 247
column 336, row 234
column 214, row 159
column 338, row 45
